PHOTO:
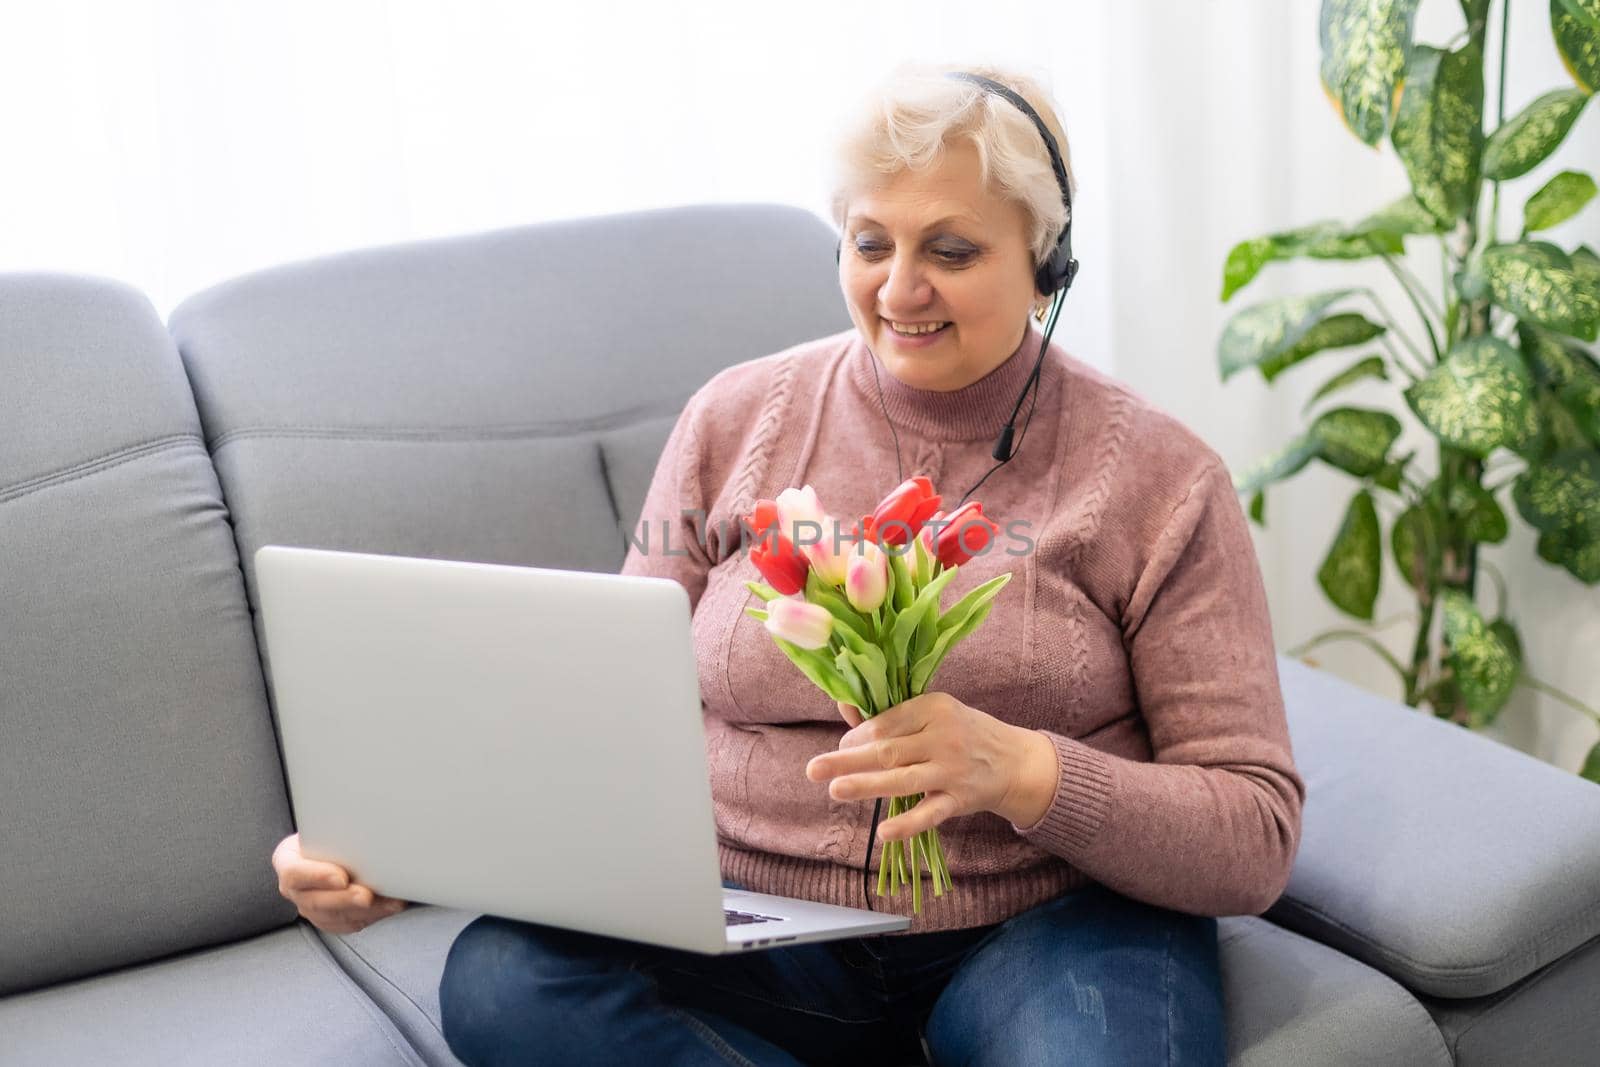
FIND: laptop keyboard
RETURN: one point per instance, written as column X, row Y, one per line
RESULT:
column 739, row 918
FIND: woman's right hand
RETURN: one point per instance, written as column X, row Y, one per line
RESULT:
column 324, row 893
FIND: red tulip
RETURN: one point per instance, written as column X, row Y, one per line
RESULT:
column 900, row 515
column 965, row 534
column 774, row 555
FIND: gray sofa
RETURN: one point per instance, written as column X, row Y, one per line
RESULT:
column 448, row 398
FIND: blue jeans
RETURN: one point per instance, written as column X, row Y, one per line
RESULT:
column 1091, row 977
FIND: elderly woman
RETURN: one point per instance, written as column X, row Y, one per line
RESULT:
column 1107, row 759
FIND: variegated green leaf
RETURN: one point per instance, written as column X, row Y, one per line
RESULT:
column 1404, row 216
column 1258, row 508
column 1264, row 330
column 1591, row 764
column 1561, row 198
column 1349, row 572
column 1364, row 49
column 1369, row 367
column 1478, row 514
column 1356, row 440
column 1507, row 634
column 1485, row 669
column 1586, row 11
column 1323, row 240
column 1578, row 42
column 1529, row 136
column 1539, row 283
column 1414, row 541
column 1336, row 331
column 1560, row 497
column 1568, row 372
column 1479, row 398
column 1438, row 132
column 1278, row 465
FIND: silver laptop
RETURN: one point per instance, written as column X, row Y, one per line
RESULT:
column 513, row 740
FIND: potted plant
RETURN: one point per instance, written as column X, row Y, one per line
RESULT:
column 1498, row 371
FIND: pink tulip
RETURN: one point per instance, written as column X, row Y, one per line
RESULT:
column 866, row 579
column 799, row 622
column 823, row 544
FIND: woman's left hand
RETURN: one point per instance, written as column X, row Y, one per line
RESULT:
column 961, row 759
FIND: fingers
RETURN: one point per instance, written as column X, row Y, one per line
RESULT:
column 304, row 875
column 879, row 756
column 851, row 713
column 348, row 910
column 900, row 782
column 930, row 811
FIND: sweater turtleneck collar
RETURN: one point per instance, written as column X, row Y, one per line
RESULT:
column 966, row 414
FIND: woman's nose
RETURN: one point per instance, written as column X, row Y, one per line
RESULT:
column 907, row 284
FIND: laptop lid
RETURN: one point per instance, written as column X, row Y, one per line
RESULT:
column 513, row 740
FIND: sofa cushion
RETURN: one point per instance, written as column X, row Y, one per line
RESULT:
column 1291, row 1000
column 399, row 962
column 139, row 781
column 1547, row 1017
column 477, row 397
column 275, row 999
column 1452, row 862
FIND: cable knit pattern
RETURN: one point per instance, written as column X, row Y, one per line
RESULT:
column 1134, row 635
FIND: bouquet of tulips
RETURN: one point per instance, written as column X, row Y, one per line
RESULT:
column 859, row 614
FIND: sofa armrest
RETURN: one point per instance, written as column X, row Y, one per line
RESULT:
column 1451, row 862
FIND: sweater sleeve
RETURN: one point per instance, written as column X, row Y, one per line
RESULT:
column 669, row 539
column 1211, row 824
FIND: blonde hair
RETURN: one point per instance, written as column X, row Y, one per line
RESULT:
column 906, row 121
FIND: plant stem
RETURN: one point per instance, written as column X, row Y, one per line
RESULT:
column 1419, row 649
column 1394, row 356
column 1406, row 282
column 1566, row 698
column 1394, row 328
column 1500, row 115
column 1349, row 635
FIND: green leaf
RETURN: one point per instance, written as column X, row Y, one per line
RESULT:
column 1258, row 508
column 853, row 681
column 974, row 599
column 1560, row 498
column 1591, row 765
column 1507, row 634
column 1349, row 574
column 1561, row 198
column 905, row 626
column 873, row 670
column 818, row 666
column 756, row 614
column 1335, row 331
column 1568, row 372
column 1438, row 132
column 765, row 592
column 1485, row 668
column 1278, row 465
column 1479, row 398
column 905, row 591
column 1479, row 514
column 1364, row 48
column 838, row 607
column 1370, row 367
column 1414, row 540
column 1268, row 329
column 1529, row 136
column 923, row 669
column 921, row 561
column 1405, row 216
column 1322, row 240
column 1586, row 11
column 1356, row 440
column 1539, row 283
column 1579, row 45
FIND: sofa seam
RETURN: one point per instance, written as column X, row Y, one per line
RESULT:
column 388, row 982
column 513, row 431
column 369, row 1007
column 105, row 461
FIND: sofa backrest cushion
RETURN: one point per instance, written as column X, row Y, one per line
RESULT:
column 500, row 397
column 140, row 789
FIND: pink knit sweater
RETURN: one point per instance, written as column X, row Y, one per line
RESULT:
column 1134, row 634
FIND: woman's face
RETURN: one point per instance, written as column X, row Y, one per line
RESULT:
column 931, row 247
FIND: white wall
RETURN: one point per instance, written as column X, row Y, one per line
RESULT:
column 176, row 144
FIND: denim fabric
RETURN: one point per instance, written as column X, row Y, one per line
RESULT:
column 1091, row 977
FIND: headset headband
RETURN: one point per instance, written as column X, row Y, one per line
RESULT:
column 1044, row 131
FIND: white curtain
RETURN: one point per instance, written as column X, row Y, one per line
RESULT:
column 175, row 144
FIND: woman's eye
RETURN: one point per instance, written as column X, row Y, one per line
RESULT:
column 951, row 255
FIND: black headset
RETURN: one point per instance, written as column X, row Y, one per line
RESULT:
column 1052, row 277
